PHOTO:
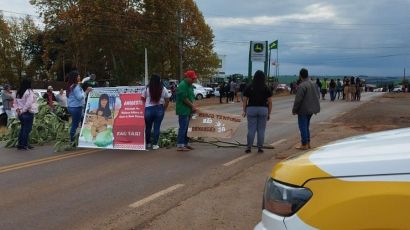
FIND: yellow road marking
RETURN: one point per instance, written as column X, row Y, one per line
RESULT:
column 45, row 160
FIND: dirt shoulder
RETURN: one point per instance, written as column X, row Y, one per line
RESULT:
column 236, row 203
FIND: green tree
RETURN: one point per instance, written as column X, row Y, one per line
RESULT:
column 108, row 37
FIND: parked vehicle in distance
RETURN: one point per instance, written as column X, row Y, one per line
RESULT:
column 282, row 87
column 397, row 90
column 378, row 90
column 361, row 182
column 209, row 91
column 217, row 93
column 199, row 91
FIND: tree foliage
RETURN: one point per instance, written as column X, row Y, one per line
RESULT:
column 15, row 59
column 108, row 37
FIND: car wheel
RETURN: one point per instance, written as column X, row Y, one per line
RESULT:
column 199, row 97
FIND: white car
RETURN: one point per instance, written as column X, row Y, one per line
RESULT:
column 397, row 90
column 199, row 91
column 360, row 182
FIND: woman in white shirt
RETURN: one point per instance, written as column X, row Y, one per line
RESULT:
column 156, row 98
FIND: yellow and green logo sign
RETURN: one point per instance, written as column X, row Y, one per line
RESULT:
column 258, row 47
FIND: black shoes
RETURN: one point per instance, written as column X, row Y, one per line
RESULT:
column 248, row 150
column 260, row 150
column 19, row 147
column 22, row 148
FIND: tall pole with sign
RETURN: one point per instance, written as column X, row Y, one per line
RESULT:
column 250, row 61
column 258, row 52
column 266, row 59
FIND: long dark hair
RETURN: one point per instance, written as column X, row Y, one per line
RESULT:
column 106, row 110
column 258, row 81
column 71, row 82
column 24, row 85
column 155, row 88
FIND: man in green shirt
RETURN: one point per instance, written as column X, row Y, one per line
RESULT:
column 184, row 108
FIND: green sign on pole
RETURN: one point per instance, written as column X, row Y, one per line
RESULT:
column 258, row 52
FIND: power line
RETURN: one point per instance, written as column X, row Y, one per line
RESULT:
column 326, row 23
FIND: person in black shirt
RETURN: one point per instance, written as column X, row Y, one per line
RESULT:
column 257, row 106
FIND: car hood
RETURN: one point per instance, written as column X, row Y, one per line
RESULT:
column 381, row 153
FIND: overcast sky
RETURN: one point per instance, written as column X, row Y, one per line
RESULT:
column 345, row 37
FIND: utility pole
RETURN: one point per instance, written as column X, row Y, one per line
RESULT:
column 180, row 44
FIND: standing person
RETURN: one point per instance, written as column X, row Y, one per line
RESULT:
column 75, row 101
column 173, row 89
column 318, row 86
column 257, row 107
column 332, row 90
column 221, row 92
column 358, row 85
column 50, row 97
column 242, row 88
column 237, row 86
column 347, row 89
column 62, row 101
column 325, row 86
column 232, row 90
column 227, row 91
column 306, row 104
column 89, row 82
column 156, row 99
column 339, row 88
column 352, row 89
column 184, row 108
column 7, row 99
column 26, row 107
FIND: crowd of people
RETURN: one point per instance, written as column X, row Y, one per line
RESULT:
column 348, row 88
column 256, row 98
column 231, row 91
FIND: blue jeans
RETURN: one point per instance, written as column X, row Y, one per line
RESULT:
column 304, row 123
column 257, row 118
column 76, row 113
column 153, row 116
column 26, row 121
column 182, row 139
column 332, row 94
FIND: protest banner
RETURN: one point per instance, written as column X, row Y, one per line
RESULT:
column 213, row 124
column 114, row 119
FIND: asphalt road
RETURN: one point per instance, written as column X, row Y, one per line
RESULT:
column 102, row 189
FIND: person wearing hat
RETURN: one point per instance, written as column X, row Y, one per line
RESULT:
column 184, row 108
column 50, row 97
column 7, row 98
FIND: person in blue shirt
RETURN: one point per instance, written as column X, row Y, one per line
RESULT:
column 75, row 101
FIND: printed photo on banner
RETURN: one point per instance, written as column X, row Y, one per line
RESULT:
column 97, row 129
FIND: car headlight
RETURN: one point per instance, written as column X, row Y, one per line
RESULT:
column 284, row 200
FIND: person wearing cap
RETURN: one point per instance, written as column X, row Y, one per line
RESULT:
column 7, row 98
column 50, row 97
column 184, row 108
